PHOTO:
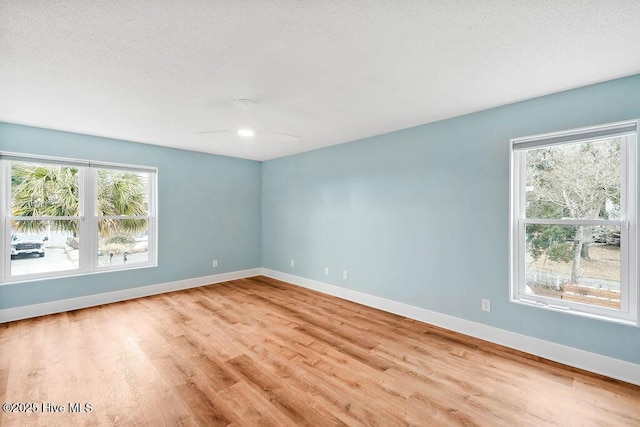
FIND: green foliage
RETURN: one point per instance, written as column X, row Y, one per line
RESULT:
column 44, row 190
column 121, row 239
column 121, row 193
column 553, row 240
column 39, row 190
column 561, row 252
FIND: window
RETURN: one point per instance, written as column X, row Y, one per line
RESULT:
column 65, row 217
column 574, row 222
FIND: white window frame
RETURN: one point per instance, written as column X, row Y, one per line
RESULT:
column 87, row 216
column 628, row 133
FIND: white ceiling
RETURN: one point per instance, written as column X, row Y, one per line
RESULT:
column 333, row 71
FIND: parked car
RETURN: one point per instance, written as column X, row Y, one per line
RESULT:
column 27, row 244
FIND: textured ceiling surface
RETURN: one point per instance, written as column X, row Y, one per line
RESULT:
column 330, row 71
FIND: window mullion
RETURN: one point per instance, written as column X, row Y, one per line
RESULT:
column 522, row 184
column 5, row 231
column 522, row 251
column 569, row 221
column 628, row 233
column 153, row 221
column 147, row 217
column 87, row 223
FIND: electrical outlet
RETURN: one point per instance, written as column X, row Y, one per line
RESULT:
column 293, row 264
column 326, row 271
column 486, row 305
column 214, row 264
column 345, row 275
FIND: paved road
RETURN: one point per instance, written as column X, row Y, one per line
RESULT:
column 57, row 259
column 587, row 281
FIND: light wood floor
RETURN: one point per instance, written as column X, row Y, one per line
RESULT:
column 262, row 352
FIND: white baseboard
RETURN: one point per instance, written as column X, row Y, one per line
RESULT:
column 604, row 365
column 25, row 312
column 593, row 362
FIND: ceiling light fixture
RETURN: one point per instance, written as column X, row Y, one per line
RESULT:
column 246, row 132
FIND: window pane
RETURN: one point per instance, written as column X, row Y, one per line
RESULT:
column 43, row 247
column 578, row 181
column 574, row 263
column 123, row 193
column 43, row 190
column 123, row 242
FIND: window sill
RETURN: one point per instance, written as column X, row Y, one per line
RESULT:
column 574, row 312
column 73, row 273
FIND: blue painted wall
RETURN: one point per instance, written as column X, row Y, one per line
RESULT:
column 208, row 208
column 421, row 216
column 418, row 216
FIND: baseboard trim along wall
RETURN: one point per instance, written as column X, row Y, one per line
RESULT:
column 608, row 366
column 604, row 365
column 25, row 312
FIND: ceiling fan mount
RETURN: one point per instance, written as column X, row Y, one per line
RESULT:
column 245, row 124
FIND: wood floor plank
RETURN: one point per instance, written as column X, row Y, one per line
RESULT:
column 331, row 392
column 261, row 352
column 295, row 405
column 253, row 409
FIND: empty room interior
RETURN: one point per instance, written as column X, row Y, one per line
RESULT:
column 319, row 213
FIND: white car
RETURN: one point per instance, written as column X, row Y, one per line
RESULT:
column 25, row 243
